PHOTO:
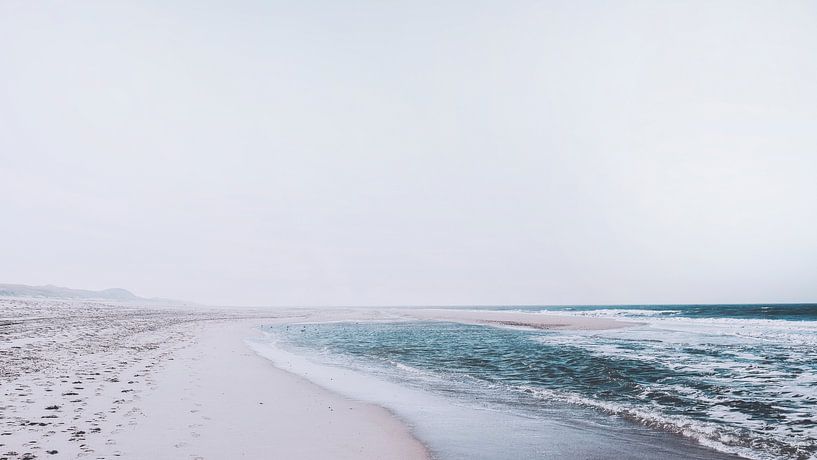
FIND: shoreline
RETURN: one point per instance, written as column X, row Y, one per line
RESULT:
column 460, row 428
column 478, row 317
column 122, row 381
column 281, row 413
column 102, row 381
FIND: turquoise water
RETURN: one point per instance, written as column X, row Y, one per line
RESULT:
column 740, row 380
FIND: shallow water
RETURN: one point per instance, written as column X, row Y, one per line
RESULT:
column 742, row 382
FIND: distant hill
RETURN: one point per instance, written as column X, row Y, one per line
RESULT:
column 64, row 293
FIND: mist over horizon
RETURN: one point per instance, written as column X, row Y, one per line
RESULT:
column 116, row 294
column 412, row 153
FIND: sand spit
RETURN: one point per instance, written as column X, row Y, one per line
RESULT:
column 515, row 319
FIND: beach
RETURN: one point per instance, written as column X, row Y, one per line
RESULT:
column 401, row 230
column 87, row 380
column 96, row 380
column 605, row 381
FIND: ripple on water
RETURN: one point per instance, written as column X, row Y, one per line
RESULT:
column 750, row 390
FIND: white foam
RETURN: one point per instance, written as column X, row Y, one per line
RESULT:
column 768, row 360
column 711, row 435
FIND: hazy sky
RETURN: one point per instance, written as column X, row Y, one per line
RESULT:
column 411, row 152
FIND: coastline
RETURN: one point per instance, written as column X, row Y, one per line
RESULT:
column 455, row 419
column 219, row 399
column 103, row 381
column 124, row 381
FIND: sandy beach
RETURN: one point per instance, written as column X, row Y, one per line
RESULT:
column 91, row 380
column 84, row 380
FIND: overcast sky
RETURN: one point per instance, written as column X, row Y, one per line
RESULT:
column 411, row 152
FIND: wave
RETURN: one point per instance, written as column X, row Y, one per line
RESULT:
column 745, row 387
column 788, row 312
column 768, row 330
column 712, row 435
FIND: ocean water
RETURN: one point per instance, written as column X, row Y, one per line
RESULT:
column 692, row 381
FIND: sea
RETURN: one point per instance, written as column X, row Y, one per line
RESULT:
column 690, row 381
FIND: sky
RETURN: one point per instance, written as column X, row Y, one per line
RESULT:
column 411, row 152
